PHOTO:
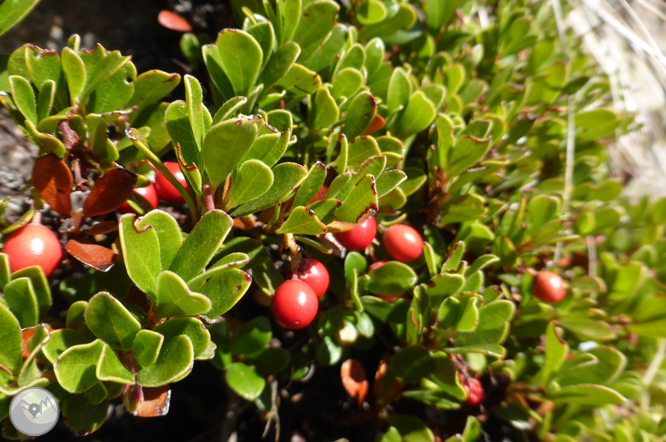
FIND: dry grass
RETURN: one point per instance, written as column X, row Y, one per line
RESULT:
column 628, row 39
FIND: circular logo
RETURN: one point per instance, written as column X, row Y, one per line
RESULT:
column 34, row 411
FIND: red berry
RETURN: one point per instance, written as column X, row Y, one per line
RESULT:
column 474, row 390
column 548, row 287
column 33, row 245
column 314, row 274
column 360, row 237
column 402, row 243
column 294, row 304
column 165, row 189
column 150, row 195
column 376, row 265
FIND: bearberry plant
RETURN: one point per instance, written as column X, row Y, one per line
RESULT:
column 415, row 192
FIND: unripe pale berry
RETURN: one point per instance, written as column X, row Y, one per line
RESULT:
column 314, row 274
column 33, row 245
column 548, row 287
column 294, row 304
column 402, row 243
column 165, row 189
column 360, row 237
column 150, row 195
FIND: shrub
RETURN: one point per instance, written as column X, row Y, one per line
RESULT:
column 489, row 142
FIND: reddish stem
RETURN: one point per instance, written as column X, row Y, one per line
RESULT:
column 208, row 198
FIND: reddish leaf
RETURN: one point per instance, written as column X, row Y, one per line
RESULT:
column 377, row 123
column 53, row 182
column 97, row 257
column 147, row 402
column 173, row 21
column 354, row 380
column 26, row 335
column 110, row 192
column 102, row 228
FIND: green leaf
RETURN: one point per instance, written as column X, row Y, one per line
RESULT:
column 312, row 184
column 300, row 79
column 241, row 57
column 279, row 64
column 466, row 152
column 389, row 180
column 361, row 201
column 328, row 352
column 236, row 138
column 347, row 83
column 10, row 336
column 317, row 20
column 418, row 115
column 175, row 299
column 141, row 252
column 287, row 176
column 588, row 395
column 195, row 112
column 589, row 328
column 40, row 286
column 495, row 314
column 290, row 13
column 229, row 109
column 360, row 114
column 245, row 381
column 469, row 317
column 325, row 111
column 302, row 221
column 391, row 279
column 263, row 34
column 80, row 367
column 494, row 350
column 168, row 234
column 328, row 50
column 253, row 336
column 201, row 244
column 411, row 429
column 173, row 364
column 253, row 179
column 443, row 286
column 147, row 345
column 361, row 150
column 13, row 11
column 225, row 290
column 47, row 142
column 75, row 73
column 608, row 365
column 24, row 97
column 557, row 350
column 181, row 132
column 82, row 416
column 462, row 208
column 60, row 341
column 188, row 326
column 21, row 300
column 46, row 99
column 371, row 11
column 151, row 86
column 111, row 322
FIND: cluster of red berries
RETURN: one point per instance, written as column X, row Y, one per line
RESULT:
column 161, row 189
column 296, row 301
column 473, row 388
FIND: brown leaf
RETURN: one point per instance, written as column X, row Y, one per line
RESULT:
column 26, row 335
column 53, row 182
column 147, row 402
column 173, row 21
column 111, row 190
column 102, row 228
column 97, row 257
column 354, row 380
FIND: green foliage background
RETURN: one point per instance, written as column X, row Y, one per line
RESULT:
column 491, row 140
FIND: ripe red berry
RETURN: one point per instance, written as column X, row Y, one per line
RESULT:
column 314, row 274
column 294, row 304
column 150, row 195
column 33, row 245
column 165, row 189
column 548, row 287
column 474, row 390
column 360, row 237
column 402, row 243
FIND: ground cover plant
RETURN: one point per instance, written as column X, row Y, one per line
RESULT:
column 413, row 196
